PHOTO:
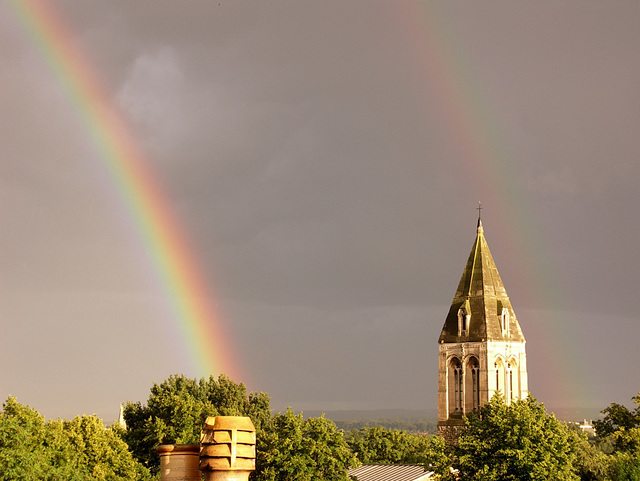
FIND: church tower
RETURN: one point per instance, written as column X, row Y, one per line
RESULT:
column 481, row 347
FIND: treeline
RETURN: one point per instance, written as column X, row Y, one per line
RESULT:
column 501, row 442
column 410, row 425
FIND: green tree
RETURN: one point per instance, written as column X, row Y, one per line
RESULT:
column 624, row 466
column 21, row 436
column 78, row 450
column 177, row 408
column 591, row 464
column 288, row 448
column 514, row 442
column 621, row 426
column 617, row 417
column 391, row 446
column 619, row 433
column 100, row 452
column 293, row 449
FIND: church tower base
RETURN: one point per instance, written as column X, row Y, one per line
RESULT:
column 450, row 433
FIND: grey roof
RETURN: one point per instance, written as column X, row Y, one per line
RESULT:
column 482, row 295
column 390, row 472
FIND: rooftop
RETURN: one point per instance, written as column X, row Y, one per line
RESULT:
column 390, row 472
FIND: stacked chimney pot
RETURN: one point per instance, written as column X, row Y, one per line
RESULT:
column 228, row 448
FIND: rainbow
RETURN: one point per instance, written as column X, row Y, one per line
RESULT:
column 472, row 120
column 158, row 229
column 469, row 115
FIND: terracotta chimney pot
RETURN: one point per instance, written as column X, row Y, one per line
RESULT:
column 228, row 448
column 179, row 462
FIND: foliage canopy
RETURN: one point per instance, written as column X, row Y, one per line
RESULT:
column 379, row 445
column 500, row 442
column 294, row 449
column 514, row 442
column 177, row 408
column 78, row 450
column 620, row 430
column 289, row 448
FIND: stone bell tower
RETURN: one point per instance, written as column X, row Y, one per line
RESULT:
column 481, row 347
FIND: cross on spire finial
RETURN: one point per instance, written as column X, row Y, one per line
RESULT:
column 479, row 210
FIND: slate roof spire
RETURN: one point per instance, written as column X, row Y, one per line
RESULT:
column 482, row 299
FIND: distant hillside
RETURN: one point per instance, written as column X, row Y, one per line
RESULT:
column 576, row 414
column 412, row 420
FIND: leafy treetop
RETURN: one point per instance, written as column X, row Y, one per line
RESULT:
column 78, row 450
column 514, row 442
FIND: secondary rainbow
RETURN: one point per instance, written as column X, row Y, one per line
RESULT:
column 476, row 129
column 158, row 228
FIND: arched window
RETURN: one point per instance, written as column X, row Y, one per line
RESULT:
column 472, row 402
column 514, row 379
column 455, row 386
column 500, row 375
column 458, row 388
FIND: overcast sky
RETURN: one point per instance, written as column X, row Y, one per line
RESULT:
column 325, row 160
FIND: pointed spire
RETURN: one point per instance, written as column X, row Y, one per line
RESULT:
column 121, row 421
column 481, row 294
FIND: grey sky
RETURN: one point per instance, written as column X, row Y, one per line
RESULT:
column 325, row 159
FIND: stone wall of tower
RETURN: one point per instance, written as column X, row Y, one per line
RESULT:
column 509, row 353
column 462, row 351
column 501, row 366
column 450, row 433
